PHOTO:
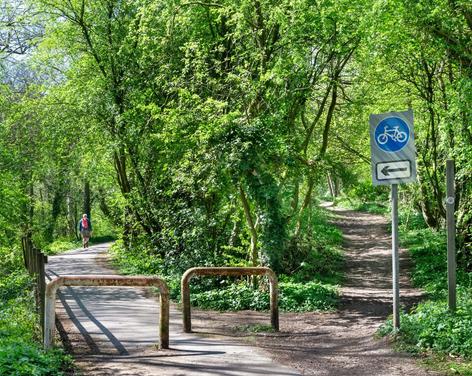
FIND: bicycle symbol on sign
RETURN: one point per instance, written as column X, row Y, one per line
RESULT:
column 393, row 133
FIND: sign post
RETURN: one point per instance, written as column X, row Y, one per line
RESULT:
column 393, row 155
column 395, row 259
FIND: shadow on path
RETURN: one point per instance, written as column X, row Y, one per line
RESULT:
column 114, row 330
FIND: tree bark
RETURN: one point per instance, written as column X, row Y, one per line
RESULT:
column 86, row 205
column 252, row 228
column 306, row 203
column 332, row 191
column 55, row 211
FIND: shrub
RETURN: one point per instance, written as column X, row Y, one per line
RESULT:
column 20, row 352
column 296, row 297
column 59, row 246
column 431, row 326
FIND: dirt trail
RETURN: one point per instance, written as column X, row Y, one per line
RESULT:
column 341, row 343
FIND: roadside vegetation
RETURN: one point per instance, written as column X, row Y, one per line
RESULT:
column 363, row 196
column 310, row 286
column 430, row 328
column 21, row 352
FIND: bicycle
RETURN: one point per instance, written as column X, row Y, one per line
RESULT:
column 394, row 133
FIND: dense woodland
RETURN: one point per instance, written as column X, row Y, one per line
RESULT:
column 207, row 132
column 200, row 129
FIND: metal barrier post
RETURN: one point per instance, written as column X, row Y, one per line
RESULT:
column 104, row 280
column 228, row 271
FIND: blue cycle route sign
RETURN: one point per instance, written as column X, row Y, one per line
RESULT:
column 392, row 145
column 392, row 134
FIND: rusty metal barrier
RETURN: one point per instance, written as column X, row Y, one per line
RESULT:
column 228, row 271
column 104, row 280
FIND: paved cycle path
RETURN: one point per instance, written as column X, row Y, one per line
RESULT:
column 114, row 330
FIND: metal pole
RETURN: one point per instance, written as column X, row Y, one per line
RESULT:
column 104, row 280
column 395, row 259
column 451, row 234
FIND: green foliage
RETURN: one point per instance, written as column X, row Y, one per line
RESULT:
column 26, row 360
column 364, row 191
column 295, row 297
column 170, row 117
column 410, row 220
column 322, row 263
column 136, row 260
column 20, row 348
column 235, row 297
column 431, row 326
column 428, row 250
column 309, row 296
column 316, row 254
column 448, row 365
column 309, row 286
column 14, row 284
column 254, row 328
column 20, row 351
column 61, row 245
column 379, row 206
column 372, row 207
column 14, row 281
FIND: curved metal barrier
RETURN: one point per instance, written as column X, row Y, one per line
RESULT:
column 104, row 280
column 228, row 271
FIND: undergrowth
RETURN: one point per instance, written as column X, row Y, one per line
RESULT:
column 310, row 285
column 295, row 297
column 431, row 327
column 21, row 352
column 62, row 245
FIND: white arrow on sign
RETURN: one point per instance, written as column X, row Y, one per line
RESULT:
column 393, row 170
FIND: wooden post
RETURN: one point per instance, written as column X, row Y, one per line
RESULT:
column 451, row 234
column 34, row 264
column 24, row 246
column 41, row 288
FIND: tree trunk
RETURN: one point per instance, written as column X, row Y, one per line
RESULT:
column 306, row 203
column 55, row 211
column 235, row 232
column 86, row 206
column 29, row 225
column 252, row 228
column 71, row 217
column 295, row 198
column 331, row 186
